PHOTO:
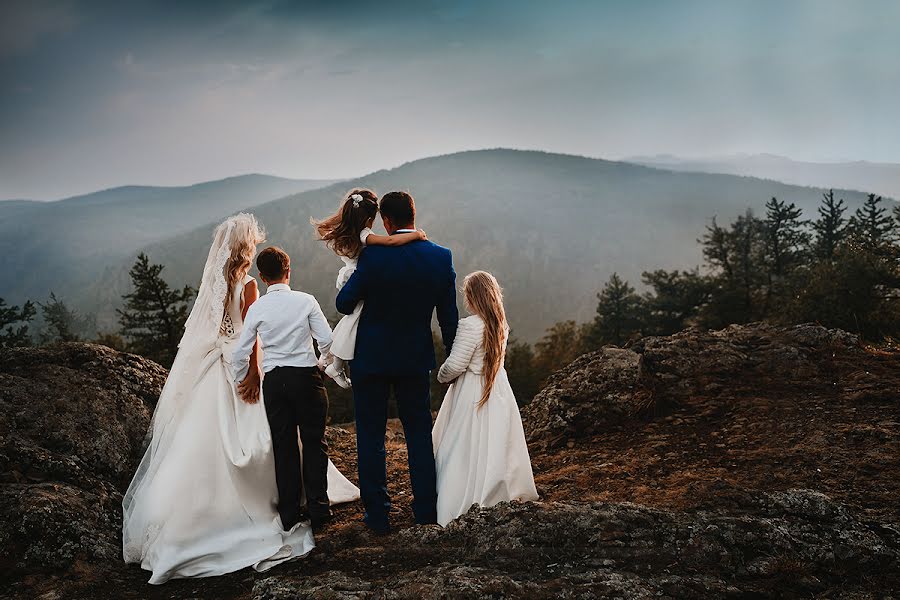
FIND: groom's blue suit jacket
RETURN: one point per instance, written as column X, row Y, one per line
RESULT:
column 401, row 286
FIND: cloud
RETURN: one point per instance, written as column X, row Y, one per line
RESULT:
column 172, row 92
column 24, row 22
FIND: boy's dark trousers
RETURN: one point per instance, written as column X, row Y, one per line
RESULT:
column 295, row 398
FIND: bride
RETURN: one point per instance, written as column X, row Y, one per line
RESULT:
column 203, row 499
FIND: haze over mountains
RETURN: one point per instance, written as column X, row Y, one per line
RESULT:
column 878, row 178
column 63, row 246
column 551, row 227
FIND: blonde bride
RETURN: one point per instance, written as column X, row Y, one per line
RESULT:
column 203, row 499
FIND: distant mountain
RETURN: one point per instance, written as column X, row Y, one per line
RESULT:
column 551, row 227
column 876, row 178
column 62, row 245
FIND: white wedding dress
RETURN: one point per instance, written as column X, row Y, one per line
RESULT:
column 203, row 500
column 480, row 453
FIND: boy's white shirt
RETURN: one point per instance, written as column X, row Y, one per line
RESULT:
column 286, row 322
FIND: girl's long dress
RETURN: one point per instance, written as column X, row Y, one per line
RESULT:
column 480, row 453
column 203, row 500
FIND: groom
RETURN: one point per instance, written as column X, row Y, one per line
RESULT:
column 401, row 287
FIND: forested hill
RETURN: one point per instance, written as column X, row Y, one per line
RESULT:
column 877, row 178
column 551, row 227
column 65, row 245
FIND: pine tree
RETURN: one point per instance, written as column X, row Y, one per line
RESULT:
column 61, row 323
column 619, row 314
column 830, row 227
column 871, row 225
column 675, row 300
column 717, row 249
column 786, row 242
column 859, row 291
column 736, row 258
column 786, row 237
column 12, row 335
column 154, row 314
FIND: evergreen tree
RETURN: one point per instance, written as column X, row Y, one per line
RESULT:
column 747, row 232
column 154, row 314
column 858, row 291
column 785, row 249
column 61, row 323
column 675, row 300
column 871, row 225
column 736, row 258
column 830, row 227
column 785, row 236
column 619, row 314
column 717, row 249
column 12, row 335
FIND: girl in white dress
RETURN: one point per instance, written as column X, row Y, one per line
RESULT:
column 203, row 499
column 479, row 443
column 347, row 233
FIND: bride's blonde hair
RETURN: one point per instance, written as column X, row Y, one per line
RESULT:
column 484, row 297
column 248, row 234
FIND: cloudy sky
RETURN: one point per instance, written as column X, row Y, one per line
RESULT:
column 97, row 94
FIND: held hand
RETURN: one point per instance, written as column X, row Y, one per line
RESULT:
column 249, row 387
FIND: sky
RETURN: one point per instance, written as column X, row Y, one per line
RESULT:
column 100, row 94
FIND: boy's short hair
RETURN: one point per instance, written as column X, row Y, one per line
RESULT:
column 273, row 263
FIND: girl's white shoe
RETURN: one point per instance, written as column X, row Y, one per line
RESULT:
column 338, row 375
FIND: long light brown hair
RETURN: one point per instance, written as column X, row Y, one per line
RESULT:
column 484, row 297
column 246, row 236
column 340, row 231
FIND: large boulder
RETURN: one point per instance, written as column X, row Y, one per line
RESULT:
column 656, row 373
column 73, row 418
column 579, row 400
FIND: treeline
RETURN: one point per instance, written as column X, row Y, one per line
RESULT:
column 151, row 321
column 837, row 270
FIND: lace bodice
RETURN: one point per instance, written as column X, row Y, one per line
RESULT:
column 232, row 322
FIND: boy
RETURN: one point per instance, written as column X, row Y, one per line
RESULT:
column 286, row 322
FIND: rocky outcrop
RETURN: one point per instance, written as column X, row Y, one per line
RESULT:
column 656, row 373
column 749, row 462
column 795, row 543
column 581, row 399
column 72, row 421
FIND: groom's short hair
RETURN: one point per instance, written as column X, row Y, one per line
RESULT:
column 273, row 263
column 399, row 207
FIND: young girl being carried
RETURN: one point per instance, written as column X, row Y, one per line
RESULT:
column 347, row 233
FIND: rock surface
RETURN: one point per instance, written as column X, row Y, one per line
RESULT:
column 592, row 550
column 749, row 462
column 656, row 373
column 72, row 421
